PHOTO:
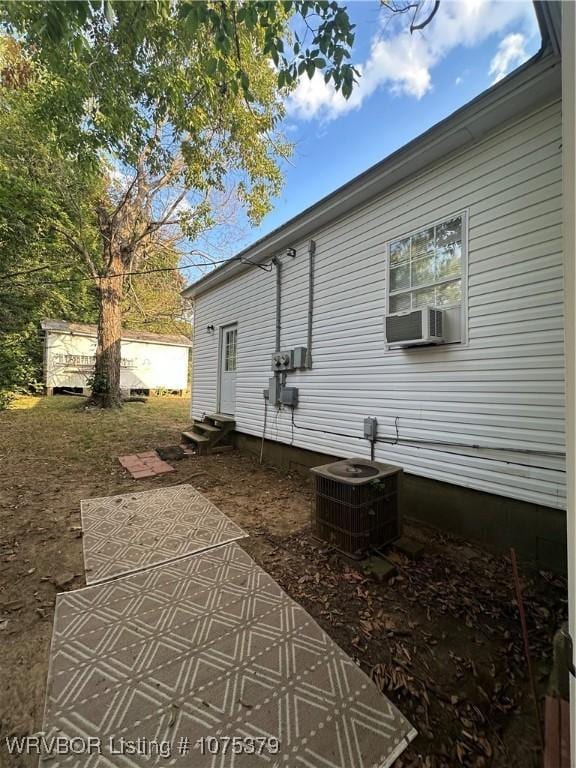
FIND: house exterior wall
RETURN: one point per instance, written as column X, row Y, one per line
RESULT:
column 503, row 389
column 145, row 365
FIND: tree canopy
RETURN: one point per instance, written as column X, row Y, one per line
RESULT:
column 173, row 104
column 41, row 193
column 123, row 70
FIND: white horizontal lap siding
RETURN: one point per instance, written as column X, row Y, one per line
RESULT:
column 503, row 390
column 249, row 301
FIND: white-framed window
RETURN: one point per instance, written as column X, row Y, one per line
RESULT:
column 428, row 267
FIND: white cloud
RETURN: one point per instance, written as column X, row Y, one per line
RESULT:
column 183, row 207
column 312, row 97
column 403, row 62
column 511, row 52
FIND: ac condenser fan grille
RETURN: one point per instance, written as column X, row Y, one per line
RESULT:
column 351, row 469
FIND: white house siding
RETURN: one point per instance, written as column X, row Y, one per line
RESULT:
column 502, row 389
column 145, row 365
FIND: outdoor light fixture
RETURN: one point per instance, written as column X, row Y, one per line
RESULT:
column 209, row 329
column 291, row 252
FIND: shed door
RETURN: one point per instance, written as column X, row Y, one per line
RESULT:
column 227, row 378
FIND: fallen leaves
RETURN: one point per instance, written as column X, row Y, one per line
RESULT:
column 440, row 638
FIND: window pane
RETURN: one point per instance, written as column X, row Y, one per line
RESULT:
column 449, row 231
column 448, row 260
column 423, row 271
column 422, row 243
column 230, row 358
column 423, row 298
column 400, row 303
column 399, row 251
column 426, row 268
column 400, row 277
column 449, row 293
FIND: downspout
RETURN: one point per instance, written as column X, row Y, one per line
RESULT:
column 311, row 255
column 278, row 264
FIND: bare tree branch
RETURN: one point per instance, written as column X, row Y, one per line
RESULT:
column 427, row 20
column 397, row 8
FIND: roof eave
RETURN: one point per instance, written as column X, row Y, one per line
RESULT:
column 535, row 82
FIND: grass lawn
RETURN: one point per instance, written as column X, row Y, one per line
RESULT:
column 53, row 453
column 441, row 638
column 62, row 428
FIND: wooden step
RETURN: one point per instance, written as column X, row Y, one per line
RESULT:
column 205, row 427
column 195, row 437
column 220, row 417
column 210, row 433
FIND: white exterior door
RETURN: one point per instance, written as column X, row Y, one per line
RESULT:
column 227, row 378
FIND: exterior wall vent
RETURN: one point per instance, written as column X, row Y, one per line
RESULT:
column 356, row 505
column 420, row 326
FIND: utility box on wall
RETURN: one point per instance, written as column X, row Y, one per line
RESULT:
column 274, row 389
column 370, row 428
column 300, row 354
column 289, row 396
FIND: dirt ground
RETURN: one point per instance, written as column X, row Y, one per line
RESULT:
column 441, row 637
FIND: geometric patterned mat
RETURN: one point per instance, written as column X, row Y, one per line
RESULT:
column 207, row 662
column 133, row 531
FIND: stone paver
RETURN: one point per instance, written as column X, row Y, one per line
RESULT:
column 147, row 464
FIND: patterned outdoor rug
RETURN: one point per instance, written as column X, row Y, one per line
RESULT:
column 206, row 661
column 124, row 534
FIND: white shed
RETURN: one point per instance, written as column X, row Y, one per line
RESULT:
column 467, row 219
column 150, row 361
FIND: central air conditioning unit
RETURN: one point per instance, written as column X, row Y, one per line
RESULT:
column 420, row 326
column 356, row 506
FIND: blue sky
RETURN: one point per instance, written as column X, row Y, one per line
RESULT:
column 408, row 83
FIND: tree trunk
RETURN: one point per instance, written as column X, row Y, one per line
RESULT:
column 106, row 384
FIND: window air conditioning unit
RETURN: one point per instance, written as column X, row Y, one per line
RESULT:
column 356, row 507
column 420, row 326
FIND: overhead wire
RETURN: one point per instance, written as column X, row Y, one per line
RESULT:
column 90, row 278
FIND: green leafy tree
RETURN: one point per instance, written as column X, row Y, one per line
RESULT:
column 42, row 194
column 183, row 99
column 154, row 300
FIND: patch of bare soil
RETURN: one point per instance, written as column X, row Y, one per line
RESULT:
column 441, row 637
